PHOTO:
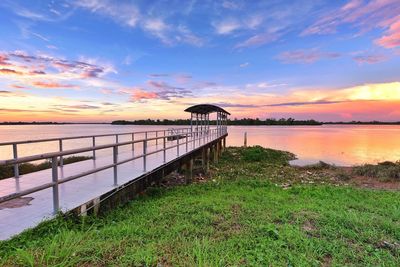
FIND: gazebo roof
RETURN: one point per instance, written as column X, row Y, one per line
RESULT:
column 205, row 109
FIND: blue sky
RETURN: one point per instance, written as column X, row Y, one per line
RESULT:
column 100, row 60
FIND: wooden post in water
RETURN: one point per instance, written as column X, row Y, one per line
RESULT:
column 245, row 139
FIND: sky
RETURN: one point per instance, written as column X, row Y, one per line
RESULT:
column 104, row 60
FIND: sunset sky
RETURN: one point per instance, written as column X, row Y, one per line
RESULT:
column 102, row 60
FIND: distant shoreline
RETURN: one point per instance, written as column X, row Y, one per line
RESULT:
column 188, row 124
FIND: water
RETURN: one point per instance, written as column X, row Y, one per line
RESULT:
column 343, row 145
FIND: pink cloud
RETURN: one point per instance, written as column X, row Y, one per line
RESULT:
column 369, row 59
column 16, row 86
column 3, row 60
column 52, row 85
column 305, row 56
column 139, row 95
column 259, row 39
column 391, row 39
column 363, row 16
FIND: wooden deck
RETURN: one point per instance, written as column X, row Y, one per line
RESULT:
column 20, row 214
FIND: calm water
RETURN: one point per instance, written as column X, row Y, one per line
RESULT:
column 341, row 145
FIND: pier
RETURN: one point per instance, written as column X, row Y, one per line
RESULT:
column 123, row 169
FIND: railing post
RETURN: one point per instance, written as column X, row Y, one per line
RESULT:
column 133, row 139
column 16, row 165
column 177, row 145
column 156, row 137
column 116, row 138
column 164, row 148
column 54, row 171
column 187, row 142
column 94, row 144
column 61, row 149
column 115, row 161
column 144, row 154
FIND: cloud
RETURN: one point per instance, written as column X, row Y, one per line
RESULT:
column 125, row 13
column 51, row 85
column 258, row 40
column 391, row 39
column 364, row 16
column 139, row 95
column 318, row 102
column 52, row 47
column 244, row 65
column 16, row 86
column 5, row 71
column 24, row 69
column 233, row 5
column 183, row 78
column 369, row 58
column 235, row 105
column 106, row 91
column 158, row 75
column 80, row 106
column 305, row 56
column 128, row 14
column 226, row 26
column 107, row 104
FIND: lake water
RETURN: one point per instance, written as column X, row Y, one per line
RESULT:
column 338, row 144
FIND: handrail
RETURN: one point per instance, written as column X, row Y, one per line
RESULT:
column 77, row 137
column 80, row 150
column 194, row 136
column 61, row 139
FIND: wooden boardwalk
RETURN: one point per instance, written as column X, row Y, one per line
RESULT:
column 23, row 212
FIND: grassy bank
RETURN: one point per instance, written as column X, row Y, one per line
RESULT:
column 24, row 168
column 254, row 210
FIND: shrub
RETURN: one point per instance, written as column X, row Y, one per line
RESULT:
column 258, row 153
column 384, row 170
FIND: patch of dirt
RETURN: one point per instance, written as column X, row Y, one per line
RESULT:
column 307, row 219
column 374, row 183
column 342, row 176
column 327, row 261
column 16, row 203
column 309, row 226
column 393, row 247
column 236, row 208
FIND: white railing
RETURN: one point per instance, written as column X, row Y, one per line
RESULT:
column 206, row 136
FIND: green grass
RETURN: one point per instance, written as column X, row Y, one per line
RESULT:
column 240, row 217
column 24, row 168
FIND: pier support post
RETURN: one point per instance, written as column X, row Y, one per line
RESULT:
column 189, row 171
column 224, row 143
column 216, row 152
column 203, row 158
column 207, row 165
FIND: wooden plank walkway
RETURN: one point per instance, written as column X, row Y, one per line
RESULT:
column 76, row 192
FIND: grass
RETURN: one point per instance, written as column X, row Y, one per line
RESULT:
column 384, row 171
column 24, row 168
column 241, row 216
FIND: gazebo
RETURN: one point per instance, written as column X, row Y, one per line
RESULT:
column 200, row 118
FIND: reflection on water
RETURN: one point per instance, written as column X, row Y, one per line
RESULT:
column 338, row 144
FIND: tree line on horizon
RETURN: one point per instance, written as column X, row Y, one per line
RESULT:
column 250, row 121
column 235, row 121
column 244, row 121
